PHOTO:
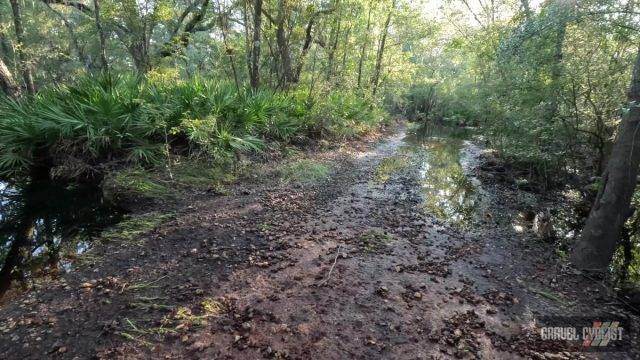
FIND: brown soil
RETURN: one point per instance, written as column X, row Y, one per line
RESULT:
column 348, row 268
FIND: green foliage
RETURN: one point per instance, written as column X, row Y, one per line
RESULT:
column 546, row 88
column 343, row 115
column 92, row 120
column 98, row 121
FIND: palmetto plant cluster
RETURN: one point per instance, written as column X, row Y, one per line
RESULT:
column 106, row 120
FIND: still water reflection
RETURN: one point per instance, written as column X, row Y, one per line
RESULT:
column 41, row 222
column 450, row 193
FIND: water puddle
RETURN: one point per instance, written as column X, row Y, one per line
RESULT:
column 43, row 225
column 445, row 156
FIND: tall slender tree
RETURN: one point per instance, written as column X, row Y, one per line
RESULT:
column 255, row 45
column 363, row 47
column 22, row 56
column 380, row 56
column 102, row 36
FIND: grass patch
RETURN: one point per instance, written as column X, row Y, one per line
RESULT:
column 135, row 182
column 374, row 240
column 200, row 175
column 305, row 171
column 132, row 228
column 137, row 333
column 390, row 166
column 160, row 183
column 291, row 152
column 212, row 307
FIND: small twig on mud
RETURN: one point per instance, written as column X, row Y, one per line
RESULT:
column 126, row 286
column 551, row 296
column 335, row 260
column 616, row 297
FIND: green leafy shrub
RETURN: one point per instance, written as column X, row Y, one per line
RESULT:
column 102, row 121
column 343, row 115
column 94, row 120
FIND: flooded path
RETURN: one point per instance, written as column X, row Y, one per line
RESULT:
column 375, row 262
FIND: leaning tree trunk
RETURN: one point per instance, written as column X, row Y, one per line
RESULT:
column 526, row 8
column 604, row 226
column 73, row 39
column 22, row 57
column 7, row 83
column 380, row 56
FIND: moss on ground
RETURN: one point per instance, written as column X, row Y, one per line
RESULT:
column 374, row 240
column 168, row 183
column 134, row 182
column 304, row 171
column 202, row 175
column 390, row 166
column 134, row 227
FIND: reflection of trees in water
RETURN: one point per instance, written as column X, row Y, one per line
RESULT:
column 449, row 194
column 36, row 220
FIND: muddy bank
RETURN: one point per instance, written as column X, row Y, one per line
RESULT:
column 353, row 264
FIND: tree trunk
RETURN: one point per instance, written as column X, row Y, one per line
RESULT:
column 308, row 38
column 140, row 55
column 248, row 42
column 335, row 36
column 255, row 50
column 556, row 69
column 7, row 83
column 227, row 49
column 22, row 57
column 286, row 69
column 103, row 39
column 603, row 228
column 379, row 57
column 364, row 45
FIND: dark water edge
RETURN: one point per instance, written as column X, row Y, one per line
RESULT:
column 43, row 223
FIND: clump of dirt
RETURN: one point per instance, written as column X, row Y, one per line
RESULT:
column 431, row 267
column 461, row 332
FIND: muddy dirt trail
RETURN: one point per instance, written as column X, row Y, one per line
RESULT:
column 356, row 266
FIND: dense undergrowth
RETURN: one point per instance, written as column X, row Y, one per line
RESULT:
column 84, row 129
